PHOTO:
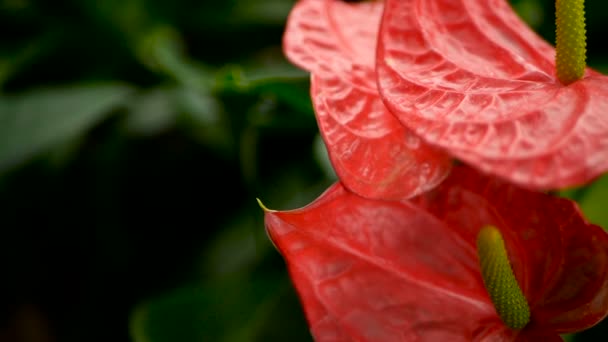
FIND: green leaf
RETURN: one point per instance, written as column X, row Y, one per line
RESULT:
column 20, row 59
column 231, row 310
column 568, row 337
column 266, row 12
column 152, row 112
column 202, row 118
column 269, row 73
column 531, row 12
column 322, row 158
column 34, row 122
column 237, row 247
column 162, row 50
column 270, row 68
column 593, row 202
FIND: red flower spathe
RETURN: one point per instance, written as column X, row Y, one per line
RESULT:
column 371, row 152
column 371, row 270
column 470, row 77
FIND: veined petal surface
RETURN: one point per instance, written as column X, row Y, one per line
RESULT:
column 370, row 270
column 559, row 259
column 579, row 297
column 377, row 270
column 332, row 37
column 531, row 222
column 373, row 154
column 469, row 76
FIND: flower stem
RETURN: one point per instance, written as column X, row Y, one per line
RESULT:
column 570, row 41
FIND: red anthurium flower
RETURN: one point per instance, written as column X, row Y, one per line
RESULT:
column 372, row 153
column 375, row 270
column 469, row 76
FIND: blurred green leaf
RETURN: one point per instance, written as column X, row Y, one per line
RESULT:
column 268, row 67
column 235, row 249
column 14, row 62
column 277, row 72
column 603, row 68
column 279, row 94
column 568, row 337
column 294, row 92
column 201, row 116
column 202, row 107
column 322, row 158
column 35, row 121
column 152, row 112
column 60, row 154
column 269, row 73
column 128, row 17
column 593, row 202
column 226, row 311
column 162, row 50
column 531, row 12
column 262, row 11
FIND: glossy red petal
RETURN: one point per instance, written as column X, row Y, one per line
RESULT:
column 560, row 260
column 471, row 77
column 537, row 227
column 331, row 37
column 372, row 153
column 579, row 299
column 381, row 271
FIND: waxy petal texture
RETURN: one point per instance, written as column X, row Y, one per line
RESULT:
column 371, row 270
column 380, row 271
column 531, row 223
column 560, row 260
column 372, row 153
column 579, row 297
column 469, row 76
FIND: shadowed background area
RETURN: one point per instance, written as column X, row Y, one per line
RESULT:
column 135, row 136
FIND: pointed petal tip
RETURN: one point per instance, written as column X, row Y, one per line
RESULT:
column 266, row 210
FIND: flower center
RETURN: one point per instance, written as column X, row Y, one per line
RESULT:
column 499, row 280
column 570, row 42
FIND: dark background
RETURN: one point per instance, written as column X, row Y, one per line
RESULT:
column 135, row 136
